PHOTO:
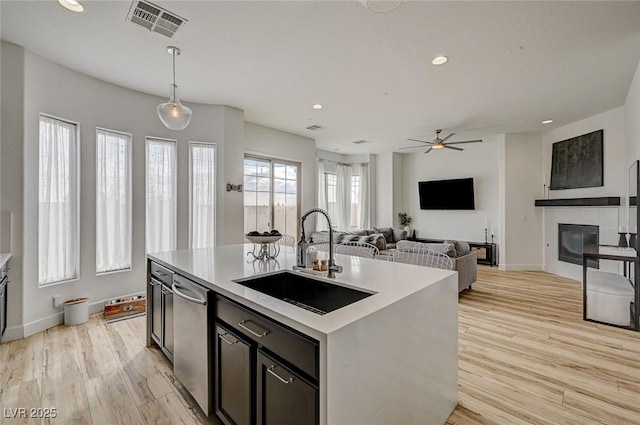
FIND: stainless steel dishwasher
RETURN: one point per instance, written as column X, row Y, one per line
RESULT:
column 191, row 353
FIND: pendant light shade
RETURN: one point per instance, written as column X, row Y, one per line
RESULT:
column 173, row 114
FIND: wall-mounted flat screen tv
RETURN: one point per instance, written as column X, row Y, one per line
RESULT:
column 456, row 194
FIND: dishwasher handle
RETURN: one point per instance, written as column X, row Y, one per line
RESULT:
column 177, row 292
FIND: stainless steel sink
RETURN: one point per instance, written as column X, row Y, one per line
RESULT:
column 311, row 294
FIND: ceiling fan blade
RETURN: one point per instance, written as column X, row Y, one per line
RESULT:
column 451, row 147
column 448, row 137
column 467, row 141
column 428, row 150
column 421, row 141
column 411, row 147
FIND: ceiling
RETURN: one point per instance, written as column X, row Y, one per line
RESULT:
column 511, row 64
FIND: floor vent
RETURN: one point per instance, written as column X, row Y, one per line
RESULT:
column 155, row 19
column 315, row 127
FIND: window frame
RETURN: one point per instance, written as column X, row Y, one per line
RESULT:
column 78, row 189
column 357, row 201
column 129, row 188
column 271, row 161
column 215, row 195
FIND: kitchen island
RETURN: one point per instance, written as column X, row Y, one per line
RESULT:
column 390, row 358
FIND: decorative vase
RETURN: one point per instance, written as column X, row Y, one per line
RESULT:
column 632, row 241
column 622, row 242
column 407, row 229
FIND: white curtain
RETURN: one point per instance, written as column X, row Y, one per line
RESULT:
column 322, row 196
column 113, row 201
column 203, row 195
column 161, row 195
column 342, row 220
column 363, row 200
column 58, row 221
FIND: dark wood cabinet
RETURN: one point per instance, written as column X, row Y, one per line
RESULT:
column 156, row 310
column 265, row 372
column 160, row 306
column 233, row 378
column 283, row 396
column 486, row 252
column 167, row 320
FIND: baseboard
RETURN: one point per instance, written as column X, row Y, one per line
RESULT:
column 19, row 332
column 43, row 324
column 520, row 267
column 13, row 333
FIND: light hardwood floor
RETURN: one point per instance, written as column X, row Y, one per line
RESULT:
column 525, row 356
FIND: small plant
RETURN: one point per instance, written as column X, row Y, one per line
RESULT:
column 405, row 219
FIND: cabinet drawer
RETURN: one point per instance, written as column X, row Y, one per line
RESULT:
column 299, row 350
column 162, row 273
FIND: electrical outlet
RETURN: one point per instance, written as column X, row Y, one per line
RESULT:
column 57, row 301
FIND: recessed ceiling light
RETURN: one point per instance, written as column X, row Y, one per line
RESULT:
column 317, row 106
column 72, row 5
column 547, row 121
column 440, row 60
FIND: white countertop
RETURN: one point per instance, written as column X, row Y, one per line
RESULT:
column 217, row 268
column 4, row 257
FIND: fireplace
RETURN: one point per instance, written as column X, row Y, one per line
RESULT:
column 572, row 238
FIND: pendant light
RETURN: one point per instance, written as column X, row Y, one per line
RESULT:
column 173, row 114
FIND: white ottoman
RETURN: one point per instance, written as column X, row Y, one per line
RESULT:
column 609, row 297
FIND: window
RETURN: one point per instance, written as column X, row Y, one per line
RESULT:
column 355, row 201
column 161, row 195
column 113, row 201
column 202, row 180
column 331, row 181
column 58, row 217
column 271, row 191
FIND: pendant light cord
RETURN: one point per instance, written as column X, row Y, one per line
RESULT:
column 173, row 55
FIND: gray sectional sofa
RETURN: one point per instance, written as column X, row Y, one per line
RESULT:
column 388, row 239
column 465, row 261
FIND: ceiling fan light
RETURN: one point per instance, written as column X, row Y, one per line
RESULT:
column 438, row 146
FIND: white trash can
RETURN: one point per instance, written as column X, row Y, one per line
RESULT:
column 76, row 311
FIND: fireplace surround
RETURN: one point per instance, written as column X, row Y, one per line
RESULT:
column 572, row 239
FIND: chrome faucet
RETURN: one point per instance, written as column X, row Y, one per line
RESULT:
column 303, row 244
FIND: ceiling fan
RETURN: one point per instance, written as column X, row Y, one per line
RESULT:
column 439, row 143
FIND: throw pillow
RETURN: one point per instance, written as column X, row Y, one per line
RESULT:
column 462, row 247
column 375, row 239
column 399, row 235
column 446, row 248
column 387, row 232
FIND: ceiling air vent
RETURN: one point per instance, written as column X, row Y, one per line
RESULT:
column 155, row 19
column 360, row 142
column 315, row 127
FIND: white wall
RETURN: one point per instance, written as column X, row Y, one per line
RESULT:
column 56, row 90
column 480, row 161
column 383, row 174
column 272, row 143
column 398, row 189
column 632, row 118
column 11, row 169
column 616, row 162
column 521, row 241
